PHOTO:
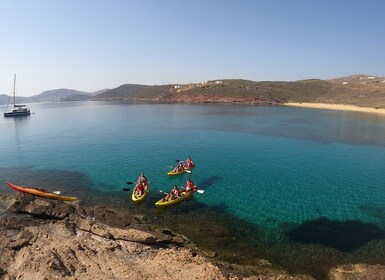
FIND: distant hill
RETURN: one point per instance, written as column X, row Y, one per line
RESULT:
column 76, row 97
column 122, row 92
column 360, row 90
column 4, row 99
column 97, row 92
column 54, row 95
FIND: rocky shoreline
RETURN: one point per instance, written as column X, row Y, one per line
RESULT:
column 48, row 239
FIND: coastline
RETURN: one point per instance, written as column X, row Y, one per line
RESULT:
column 338, row 107
column 43, row 238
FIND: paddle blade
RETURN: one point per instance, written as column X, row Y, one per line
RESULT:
column 130, row 183
column 200, row 191
column 56, row 192
column 188, row 171
column 126, row 189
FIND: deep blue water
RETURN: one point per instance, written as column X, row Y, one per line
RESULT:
column 265, row 165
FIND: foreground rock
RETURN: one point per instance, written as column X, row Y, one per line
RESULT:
column 58, row 240
column 358, row 271
column 46, row 239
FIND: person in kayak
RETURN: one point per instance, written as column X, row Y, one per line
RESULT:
column 189, row 185
column 188, row 162
column 179, row 167
column 142, row 178
column 173, row 194
column 139, row 189
column 141, row 185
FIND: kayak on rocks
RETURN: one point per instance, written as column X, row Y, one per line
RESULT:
column 41, row 192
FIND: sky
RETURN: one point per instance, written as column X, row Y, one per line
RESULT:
column 92, row 45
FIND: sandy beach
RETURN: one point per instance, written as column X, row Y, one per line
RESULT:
column 340, row 107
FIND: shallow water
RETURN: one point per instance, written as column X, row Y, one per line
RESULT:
column 282, row 180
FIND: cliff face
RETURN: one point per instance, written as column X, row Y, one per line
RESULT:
column 360, row 90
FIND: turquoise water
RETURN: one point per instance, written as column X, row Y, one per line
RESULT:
column 265, row 165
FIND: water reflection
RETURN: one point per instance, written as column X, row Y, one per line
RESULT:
column 19, row 122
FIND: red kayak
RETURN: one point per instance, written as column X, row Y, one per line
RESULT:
column 40, row 192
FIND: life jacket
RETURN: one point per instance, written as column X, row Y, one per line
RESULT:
column 189, row 185
column 139, row 187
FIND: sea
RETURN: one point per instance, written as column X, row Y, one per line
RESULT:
column 297, row 189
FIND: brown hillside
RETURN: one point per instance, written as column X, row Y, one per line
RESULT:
column 360, row 90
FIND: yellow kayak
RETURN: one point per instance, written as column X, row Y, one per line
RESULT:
column 40, row 192
column 185, row 169
column 173, row 173
column 161, row 202
column 140, row 198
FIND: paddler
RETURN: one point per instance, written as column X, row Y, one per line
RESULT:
column 142, row 178
column 139, row 189
column 141, row 185
column 173, row 194
column 179, row 167
column 189, row 185
column 188, row 162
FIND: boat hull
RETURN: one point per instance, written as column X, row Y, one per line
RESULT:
column 16, row 114
column 41, row 193
column 172, row 173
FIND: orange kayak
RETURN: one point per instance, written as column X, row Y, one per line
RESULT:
column 41, row 193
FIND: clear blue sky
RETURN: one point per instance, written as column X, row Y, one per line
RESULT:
column 91, row 45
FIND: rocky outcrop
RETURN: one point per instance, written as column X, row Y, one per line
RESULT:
column 358, row 271
column 41, row 208
column 47, row 239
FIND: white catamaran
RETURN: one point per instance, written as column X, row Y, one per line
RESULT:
column 18, row 109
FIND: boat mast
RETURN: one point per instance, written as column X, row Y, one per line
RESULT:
column 14, row 89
